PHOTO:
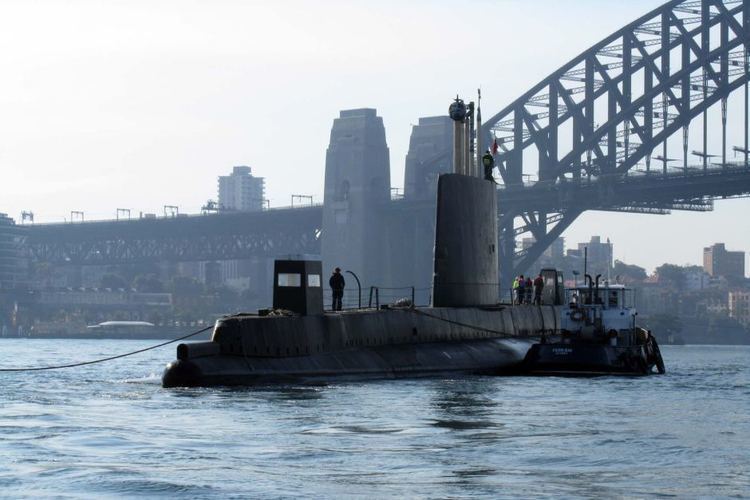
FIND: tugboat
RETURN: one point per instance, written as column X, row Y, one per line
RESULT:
column 598, row 336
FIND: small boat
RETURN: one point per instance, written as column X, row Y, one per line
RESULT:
column 598, row 336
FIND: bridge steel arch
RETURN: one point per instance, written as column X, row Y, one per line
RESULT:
column 613, row 108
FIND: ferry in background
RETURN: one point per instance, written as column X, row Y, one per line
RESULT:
column 122, row 330
column 141, row 330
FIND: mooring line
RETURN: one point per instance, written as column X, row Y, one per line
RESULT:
column 102, row 360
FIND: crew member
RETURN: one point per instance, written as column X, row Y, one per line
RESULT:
column 529, row 289
column 520, row 293
column 538, row 287
column 337, row 285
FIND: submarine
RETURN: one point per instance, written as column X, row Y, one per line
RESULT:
column 465, row 329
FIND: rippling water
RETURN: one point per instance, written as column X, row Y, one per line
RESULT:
column 110, row 430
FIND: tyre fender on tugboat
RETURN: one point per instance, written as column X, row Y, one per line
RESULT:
column 657, row 355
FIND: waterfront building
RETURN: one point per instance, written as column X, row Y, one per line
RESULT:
column 739, row 306
column 718, row 261
column 241, row 190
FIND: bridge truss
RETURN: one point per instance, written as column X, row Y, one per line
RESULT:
column 610, row 113
column 226, row 236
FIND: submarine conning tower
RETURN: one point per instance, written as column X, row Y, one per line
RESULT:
column 297, row 285
column 466, row 265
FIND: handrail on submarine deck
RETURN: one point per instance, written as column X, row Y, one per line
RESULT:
column 506, row 297
column 376, row 291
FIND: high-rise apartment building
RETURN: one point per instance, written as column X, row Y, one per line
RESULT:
column 718, row 261
column 241, row 190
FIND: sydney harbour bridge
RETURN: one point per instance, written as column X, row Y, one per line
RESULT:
column 626, row 126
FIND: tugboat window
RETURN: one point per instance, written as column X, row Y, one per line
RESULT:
column 313, row 280
column 290, row 279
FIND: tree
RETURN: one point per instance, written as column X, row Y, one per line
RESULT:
column 113, row 281
column 628, row 273
column 184, row 286
column 671, row 275
column 148, row 283
column 664, row 325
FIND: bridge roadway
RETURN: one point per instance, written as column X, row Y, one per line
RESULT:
column 243, row 235
column 637, row 191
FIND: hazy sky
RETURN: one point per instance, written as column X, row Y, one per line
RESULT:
column 140, row 104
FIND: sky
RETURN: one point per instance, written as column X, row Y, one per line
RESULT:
column 140, row 104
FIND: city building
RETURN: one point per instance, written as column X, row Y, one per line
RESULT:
column 594, row 255
column 739, row 306
column 718, row 261
column 241, row 191
column 696, row 279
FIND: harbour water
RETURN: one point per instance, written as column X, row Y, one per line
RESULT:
column 110, row 430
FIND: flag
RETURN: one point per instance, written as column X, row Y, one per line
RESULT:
column 494, row 146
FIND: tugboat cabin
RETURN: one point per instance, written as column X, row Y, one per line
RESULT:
column 610, row 305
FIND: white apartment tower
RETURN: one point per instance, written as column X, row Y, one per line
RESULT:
column 241, row 191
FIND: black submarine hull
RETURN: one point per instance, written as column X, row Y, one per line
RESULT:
column 250, row 350
column 481, row 357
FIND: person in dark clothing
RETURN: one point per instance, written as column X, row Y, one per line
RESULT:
column 529, row 289
column 337, row 285
column 538, row 287
column 520, row 293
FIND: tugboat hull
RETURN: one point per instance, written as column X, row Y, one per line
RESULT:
column 589, row 360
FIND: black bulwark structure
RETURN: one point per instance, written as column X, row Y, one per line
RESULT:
column 297, row 286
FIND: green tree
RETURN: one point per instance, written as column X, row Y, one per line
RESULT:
column 663, row 325
column 148, row 283
column 629, row 273
column 113, row 281
column 671, row 275
column 184, row 286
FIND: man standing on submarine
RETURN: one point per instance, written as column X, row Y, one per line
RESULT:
column 337, row 285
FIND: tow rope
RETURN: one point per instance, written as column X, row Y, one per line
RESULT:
column 102, row 360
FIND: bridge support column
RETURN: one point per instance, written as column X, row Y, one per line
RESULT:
column 357, row 191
